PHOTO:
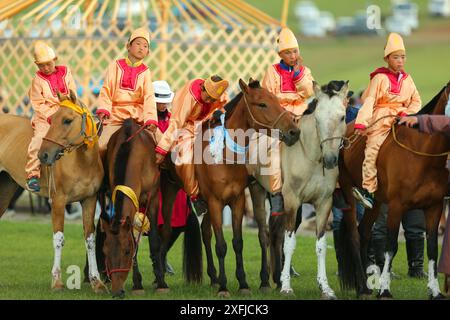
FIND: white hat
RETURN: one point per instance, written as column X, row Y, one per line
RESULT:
column 163, row 93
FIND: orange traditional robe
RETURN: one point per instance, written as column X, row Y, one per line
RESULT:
column 127, row 92
column 187, row 108
column 387, row 94
column 45, row 102
column 292, row 90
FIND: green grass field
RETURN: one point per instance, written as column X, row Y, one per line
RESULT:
column 27, row 257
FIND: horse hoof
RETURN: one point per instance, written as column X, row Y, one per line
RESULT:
column 57, row 285
column 267, row 289
column 138, row 292
column 245, row 292
column 99, row 287
column 162, row 290
column 385, row 295
column 224, row 294
column 440, row 296
column 215, row 285
column 365, row 296
column 287, row 292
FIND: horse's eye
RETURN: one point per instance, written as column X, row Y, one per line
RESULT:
column 262, row 105
column 342, row 118
column 67, row 121
column 127, row 252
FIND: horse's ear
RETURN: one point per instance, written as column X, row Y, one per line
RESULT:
column 251, row 80
column 61, row 97
column 344, row 91
column 317, row 89
column 244, row 86
column 72, row 96
column 105, row 225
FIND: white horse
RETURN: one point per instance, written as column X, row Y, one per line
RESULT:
column 310, row 172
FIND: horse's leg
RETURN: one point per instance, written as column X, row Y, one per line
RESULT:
column 394, row 218
column 291, row 205
column 206, row 236
column 9, row 188
column 215, row 212
column 138, row 289
column 88, row 206
column 432, row 217
column 155, row 243
column 323, row 209
column 237, row 209
column 58, row 206
column 258, row 195
column 365, row 230
column 276, row 236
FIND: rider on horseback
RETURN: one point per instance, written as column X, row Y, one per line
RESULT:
column 127, row 91
column 49, row 80
column 391, row 92
column 196, row 101
column 292, row 83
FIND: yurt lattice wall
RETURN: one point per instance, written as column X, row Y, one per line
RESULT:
column 190, row 39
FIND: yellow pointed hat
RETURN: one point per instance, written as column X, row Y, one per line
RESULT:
column 394, row 43
column 43, row 52
column 215, row 89
column 286, row 40
column 140, row 33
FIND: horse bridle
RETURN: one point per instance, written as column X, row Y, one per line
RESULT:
column 71, row 146
column 268, row 126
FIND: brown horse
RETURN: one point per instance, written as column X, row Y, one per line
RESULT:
column 135, row 179
column 406, row 181
column 75, row 177
column 223, row 183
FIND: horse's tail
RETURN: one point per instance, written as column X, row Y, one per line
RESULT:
column 192, row 251
column 351, row 272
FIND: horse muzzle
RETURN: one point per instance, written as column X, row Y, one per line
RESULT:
column 119, row 294
column 48, row 158
column 330, row 161
column 291, row 136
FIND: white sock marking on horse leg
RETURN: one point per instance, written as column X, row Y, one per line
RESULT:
column 289, row 247
column 322, row 280
column 92, row 261
column 385, row 279
column 58, row 244
column 433, row 284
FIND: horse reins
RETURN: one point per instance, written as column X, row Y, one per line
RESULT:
column 135, row 242
column 271, row 126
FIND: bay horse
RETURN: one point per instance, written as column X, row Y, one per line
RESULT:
column 310, row 172
column 134, row 181
column 76, row 176
column 223, row 182
column 407, row 179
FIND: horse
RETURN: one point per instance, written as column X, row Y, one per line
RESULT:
column 310, row 173
column 222, row 182
column 76, row 176
column 134, row 181
column 409, row 177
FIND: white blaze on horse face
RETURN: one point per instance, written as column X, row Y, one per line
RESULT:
column 289, row 247
column 90, row 248
column 433, row 284
column 321, row 252
column 385, row 279
column 58, row 244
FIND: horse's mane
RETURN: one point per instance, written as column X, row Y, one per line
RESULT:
column 429, row 107
column 120, row 169
column 329, row 89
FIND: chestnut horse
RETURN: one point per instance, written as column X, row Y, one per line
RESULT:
column 223, row 182
column 76, row 176
column 409, row 177
column 134, row 180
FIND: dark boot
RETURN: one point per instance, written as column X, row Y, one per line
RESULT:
column 199, row 206
column 378, row 247
column 414, row 250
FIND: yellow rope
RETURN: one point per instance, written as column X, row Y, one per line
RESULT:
column 141, row 222
column 394, row 135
